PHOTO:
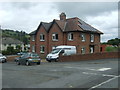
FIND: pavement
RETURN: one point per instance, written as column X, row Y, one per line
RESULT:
column 92, row 74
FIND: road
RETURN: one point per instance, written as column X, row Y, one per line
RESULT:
column 83, row 74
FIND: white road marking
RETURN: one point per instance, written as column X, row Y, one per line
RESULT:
column 104, row 82
column 90, row 73
column 100, row 74
column 91, row 68
column 100, row 69
column 104, row 69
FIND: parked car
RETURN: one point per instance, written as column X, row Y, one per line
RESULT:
column 28, row 59
column 3, row 58
column 63, row 49
column 19, row 55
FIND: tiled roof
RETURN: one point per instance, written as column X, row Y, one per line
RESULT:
column 8, row 40
column 76, row 24
column 46, row 25
column 33, row 32
column 70, row 24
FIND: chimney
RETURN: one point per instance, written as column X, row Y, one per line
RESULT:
column 63, row 16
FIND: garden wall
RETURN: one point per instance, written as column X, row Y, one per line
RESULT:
column 11, row 58
column 95, row 56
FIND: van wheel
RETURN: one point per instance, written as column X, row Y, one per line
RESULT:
column 56, row 60
column 27, row 63
column 38, row 63
column 49, row 61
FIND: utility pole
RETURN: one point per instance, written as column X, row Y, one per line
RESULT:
column 0, row 39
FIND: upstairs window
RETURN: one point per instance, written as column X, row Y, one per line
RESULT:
column 42, row 37
column 70, row 36
column 55, row 37
column 42, row 49
column 92, row 37
column 33, row 37
column 83, row 37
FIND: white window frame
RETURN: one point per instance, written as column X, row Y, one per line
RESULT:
column 42, row 37
column 70, row 37
column 92, row 38
column 33, row 48
column 42, row 49
column 83, row 50
column 91, row 49
column 83, row 37
column 33, row 37
column 54, row 37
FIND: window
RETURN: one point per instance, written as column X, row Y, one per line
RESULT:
column 42, row 37
column 70, row 36
column 55, row 37
column 33, row 48
column 92, row 38
column 83, row 50
column 83, row 37
column 91, row 49
column 9, row 44
column 33, row 37
column 42, row 49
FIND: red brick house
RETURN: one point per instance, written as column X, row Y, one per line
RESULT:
column 71, row 31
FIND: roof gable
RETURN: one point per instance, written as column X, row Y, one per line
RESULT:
column 45, row 25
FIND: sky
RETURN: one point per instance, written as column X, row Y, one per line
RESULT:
column 26, row 16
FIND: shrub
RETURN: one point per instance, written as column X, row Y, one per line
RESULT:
column 10, row 51
column 111, row 49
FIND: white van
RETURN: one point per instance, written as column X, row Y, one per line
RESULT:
column 63, row 49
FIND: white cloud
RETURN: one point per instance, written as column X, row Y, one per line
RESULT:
column 107, row 23
column 26, row 18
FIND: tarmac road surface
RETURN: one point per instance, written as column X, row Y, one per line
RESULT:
column 92, row 74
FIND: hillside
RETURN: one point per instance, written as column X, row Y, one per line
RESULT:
column 22, row 36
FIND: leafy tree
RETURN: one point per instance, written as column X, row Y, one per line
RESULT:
column 18, row 47
column 114, row 42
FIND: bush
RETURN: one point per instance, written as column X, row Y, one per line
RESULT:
column 10, row 51
column 111, row 49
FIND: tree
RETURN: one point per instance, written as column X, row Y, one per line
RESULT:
column 114, row 42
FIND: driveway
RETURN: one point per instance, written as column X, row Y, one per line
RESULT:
column 83, row 74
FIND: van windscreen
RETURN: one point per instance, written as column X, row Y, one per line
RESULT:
column 56, row 50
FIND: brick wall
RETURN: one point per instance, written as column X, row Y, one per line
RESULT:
column 55, row 29
column 11, row 58
column 32, row 43
column 41, row 43
column 95, row 56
